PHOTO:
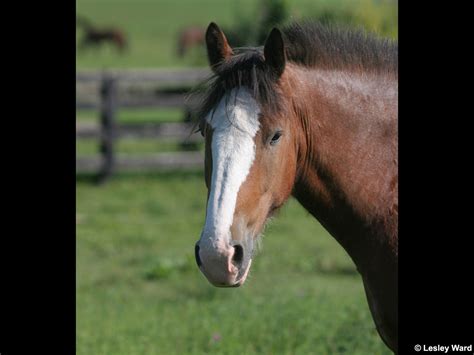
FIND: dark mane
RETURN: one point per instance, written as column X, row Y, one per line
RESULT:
column 315, row 45
column 309, row 44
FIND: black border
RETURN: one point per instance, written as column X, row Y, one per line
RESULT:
column 37, row 246
column 435, row 260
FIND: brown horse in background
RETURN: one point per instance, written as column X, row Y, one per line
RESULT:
column 94, row 36
column 313, row 114
column 190, row 37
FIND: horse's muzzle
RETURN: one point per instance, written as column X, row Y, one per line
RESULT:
column 224, row 266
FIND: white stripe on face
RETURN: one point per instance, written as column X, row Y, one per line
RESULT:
column 235, row 123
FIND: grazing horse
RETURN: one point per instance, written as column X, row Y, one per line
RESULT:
column 190, row 37
column 94, row 36
column 312, row 114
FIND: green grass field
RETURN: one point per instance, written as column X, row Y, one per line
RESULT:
column 152, row 26
column 138, row 289
column 140, row 292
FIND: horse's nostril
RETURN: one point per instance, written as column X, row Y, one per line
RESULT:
column 238, row 256
column 196, row 254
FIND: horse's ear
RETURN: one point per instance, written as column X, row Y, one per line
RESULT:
column 274, row 52
column 218, row 48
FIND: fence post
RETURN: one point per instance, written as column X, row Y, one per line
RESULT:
column 107, row 127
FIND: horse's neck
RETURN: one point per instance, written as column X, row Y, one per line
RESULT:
column 348, row 176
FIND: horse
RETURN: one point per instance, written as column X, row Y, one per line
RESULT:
column 313, row 114
column 94, row 36
column 190, row 37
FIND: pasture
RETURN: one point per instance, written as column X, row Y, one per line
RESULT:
column 140, row 292
column 152, row 26
column 138, row 289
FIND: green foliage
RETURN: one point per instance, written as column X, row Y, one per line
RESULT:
column 272, row 13
column 380, row 17
column 252, row 29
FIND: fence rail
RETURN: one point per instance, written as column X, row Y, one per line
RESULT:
column 167, row 130
column 179, row 77
column 163, row 101
column 162, row 161
column 109, row 91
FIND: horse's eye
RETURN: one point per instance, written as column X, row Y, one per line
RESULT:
column 276, row 137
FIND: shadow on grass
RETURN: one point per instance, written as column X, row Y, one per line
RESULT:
column 92, row 178
column 86, row 178
column 339, row 270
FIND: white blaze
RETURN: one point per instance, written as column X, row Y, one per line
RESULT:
column 235, row 123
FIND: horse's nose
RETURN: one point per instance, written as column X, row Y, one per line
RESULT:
column 238, row 256
column 222, row 266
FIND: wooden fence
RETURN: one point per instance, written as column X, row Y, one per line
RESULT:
column 108, row 91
